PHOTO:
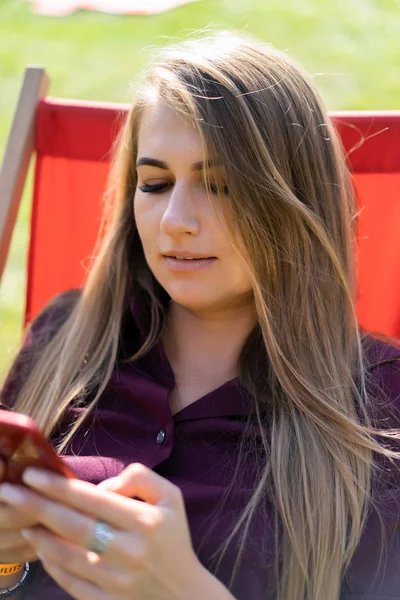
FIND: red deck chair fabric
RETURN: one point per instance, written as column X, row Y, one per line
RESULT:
column 73, row 142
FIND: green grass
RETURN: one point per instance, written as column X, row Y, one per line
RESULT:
column 352, row 49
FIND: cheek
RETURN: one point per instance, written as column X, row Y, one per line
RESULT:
column 147, row 221
column 238, row 275
column 139, row 212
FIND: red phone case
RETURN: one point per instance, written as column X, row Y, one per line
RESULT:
column 22, row 444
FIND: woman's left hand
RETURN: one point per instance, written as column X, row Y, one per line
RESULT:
column 151, row 555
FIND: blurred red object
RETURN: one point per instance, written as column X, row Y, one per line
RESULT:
column 73, row 142
column 61, row 8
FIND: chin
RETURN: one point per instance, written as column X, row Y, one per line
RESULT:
column 190, row 296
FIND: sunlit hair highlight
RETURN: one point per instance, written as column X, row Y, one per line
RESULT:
column 291, row 212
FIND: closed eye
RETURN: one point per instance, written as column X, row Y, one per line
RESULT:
column 159, row 187
column 214, row 190
column 152, row 189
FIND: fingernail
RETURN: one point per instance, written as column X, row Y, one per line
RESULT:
column 7, row 492
column 36, row 477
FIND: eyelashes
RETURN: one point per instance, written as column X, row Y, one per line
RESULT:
column 214, row 190
column 149, row 189
column 159, row 187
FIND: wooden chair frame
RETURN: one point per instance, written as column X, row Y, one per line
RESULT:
column 18, row 153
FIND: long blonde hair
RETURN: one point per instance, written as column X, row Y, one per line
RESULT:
column 292, row 215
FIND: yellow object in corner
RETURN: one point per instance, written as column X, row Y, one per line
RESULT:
column 10, row 569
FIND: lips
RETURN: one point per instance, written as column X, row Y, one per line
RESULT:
column 183, row 257
column 180, row 264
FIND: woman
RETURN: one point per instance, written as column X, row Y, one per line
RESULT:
column 230, row 421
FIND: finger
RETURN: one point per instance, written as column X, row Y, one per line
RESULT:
column 81, row 563
column 115, row 509
column 75, row 587
column 113, row 484
column 138, row 480
column 76, row 527
column 24, row 554
column 12, row 519
column 12, row 540
column 62, row 520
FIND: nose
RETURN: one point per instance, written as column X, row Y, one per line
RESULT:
column 179, row 216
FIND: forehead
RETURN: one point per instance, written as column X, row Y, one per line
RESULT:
column 164, row 129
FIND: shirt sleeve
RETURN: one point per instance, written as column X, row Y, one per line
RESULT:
column 385, row 390
column 367, row 578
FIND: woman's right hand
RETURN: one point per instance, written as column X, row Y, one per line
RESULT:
column 13, row 547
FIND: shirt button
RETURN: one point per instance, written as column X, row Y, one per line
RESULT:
column 161, row 436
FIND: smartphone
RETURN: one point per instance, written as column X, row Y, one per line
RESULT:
column 23, row 445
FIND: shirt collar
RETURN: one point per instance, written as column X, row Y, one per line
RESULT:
column 231, row 398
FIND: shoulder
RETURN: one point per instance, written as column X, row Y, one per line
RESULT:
column 381, row 350
column 383, row 404
column 367, row 577
column 52, row 316
column 382, row 361
column 382, row 371
column 39, row 333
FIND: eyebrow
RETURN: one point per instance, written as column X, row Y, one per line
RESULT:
column 154, row 162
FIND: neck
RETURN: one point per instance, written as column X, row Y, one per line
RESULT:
column 205, row 343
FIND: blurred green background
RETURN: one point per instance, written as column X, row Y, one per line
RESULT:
column 351, row 47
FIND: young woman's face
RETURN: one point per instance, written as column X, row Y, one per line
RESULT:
column 173, row 214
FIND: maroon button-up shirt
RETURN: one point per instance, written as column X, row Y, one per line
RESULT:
column 196, row 449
